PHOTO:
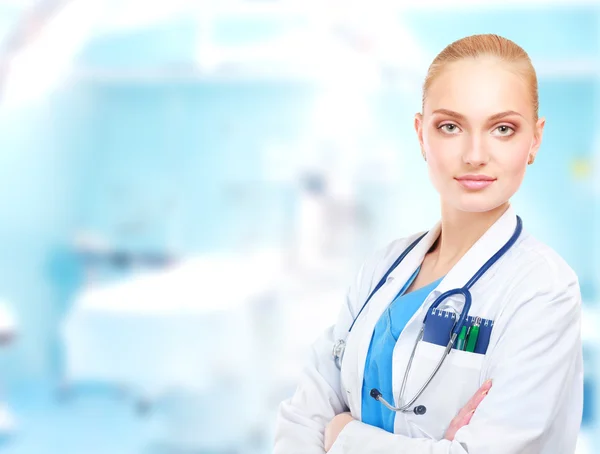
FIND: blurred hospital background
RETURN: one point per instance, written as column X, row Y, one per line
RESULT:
column 188, row 187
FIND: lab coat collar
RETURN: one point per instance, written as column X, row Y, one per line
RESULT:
column 489, row 243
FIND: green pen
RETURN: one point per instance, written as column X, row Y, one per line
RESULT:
column 468, row 334
column 460, row 342
column 473, row 335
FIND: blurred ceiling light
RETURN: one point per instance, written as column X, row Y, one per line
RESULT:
column 41, row 64
column 17, row 3
column 119, row 15
column 474, row 5
column 332, row 44
column 286, row 7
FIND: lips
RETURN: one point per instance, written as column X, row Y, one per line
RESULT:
column 475, row 182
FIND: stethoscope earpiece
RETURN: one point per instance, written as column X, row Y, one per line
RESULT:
column 418, row 410
column 375, row 394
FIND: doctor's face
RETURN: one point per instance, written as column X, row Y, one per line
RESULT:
column 478, row 131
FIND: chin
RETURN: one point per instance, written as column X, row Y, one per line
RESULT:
column 477, row 202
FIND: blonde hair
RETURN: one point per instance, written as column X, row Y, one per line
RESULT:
column 487, row 45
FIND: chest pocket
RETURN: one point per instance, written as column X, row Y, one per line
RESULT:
column 454, row 384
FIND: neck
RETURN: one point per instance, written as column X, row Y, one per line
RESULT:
column 460, row 230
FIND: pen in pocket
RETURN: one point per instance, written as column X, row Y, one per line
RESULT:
column 473, row 335
column 460, row 342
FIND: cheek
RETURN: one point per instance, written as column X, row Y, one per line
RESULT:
column 443, row 153
column 513, row 161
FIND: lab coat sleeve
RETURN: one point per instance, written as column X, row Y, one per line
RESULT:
column 534, row 365
column 302, row 419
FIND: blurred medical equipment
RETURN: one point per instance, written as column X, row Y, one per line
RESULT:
column 329, row 225
column 8, row 331
column 96, row 253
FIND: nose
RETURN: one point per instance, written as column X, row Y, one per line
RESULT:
column 475, row 153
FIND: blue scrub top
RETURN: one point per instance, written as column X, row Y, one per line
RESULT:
column 378, row 366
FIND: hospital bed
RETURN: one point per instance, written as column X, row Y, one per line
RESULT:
column 193, row 329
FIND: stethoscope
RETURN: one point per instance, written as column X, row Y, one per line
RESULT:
column 340, row 345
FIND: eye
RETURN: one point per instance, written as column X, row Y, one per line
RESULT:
column 503, row 131
column 449, row 128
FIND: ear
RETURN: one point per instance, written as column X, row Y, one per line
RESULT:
column 419, row 131
column 537, row 139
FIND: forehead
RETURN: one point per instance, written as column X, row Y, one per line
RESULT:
column 479, row 88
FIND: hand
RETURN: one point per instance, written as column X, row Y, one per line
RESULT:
column 464, row 416
column 335, row 426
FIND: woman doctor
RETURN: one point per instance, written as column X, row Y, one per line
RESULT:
column 521, row 389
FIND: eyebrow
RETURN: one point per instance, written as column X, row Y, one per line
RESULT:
column 461, row 117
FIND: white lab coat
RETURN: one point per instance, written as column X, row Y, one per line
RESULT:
column 534, row 358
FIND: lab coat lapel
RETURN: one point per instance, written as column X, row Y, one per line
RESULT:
column 383, row 298
column 490, row 243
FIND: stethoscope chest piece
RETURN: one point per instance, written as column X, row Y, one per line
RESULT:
column 338, row 352
column 420, row 410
